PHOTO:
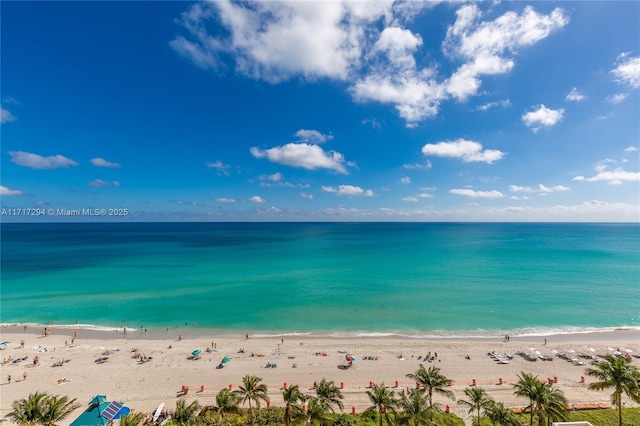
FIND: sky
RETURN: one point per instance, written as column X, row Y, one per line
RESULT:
column 320, row 111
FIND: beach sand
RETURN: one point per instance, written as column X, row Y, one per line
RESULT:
column 142, row 386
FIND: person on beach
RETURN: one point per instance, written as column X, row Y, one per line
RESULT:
column 21, row 344
column 9, row 379
column 24, row 376
column 545, row 342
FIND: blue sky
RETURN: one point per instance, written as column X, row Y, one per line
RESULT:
column 322, row 111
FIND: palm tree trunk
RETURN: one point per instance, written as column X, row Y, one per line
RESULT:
column 250, row 413
column 620, row 414
column 478, row 416
column 380, row 415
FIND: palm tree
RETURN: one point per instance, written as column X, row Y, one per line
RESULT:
column 554, row 405
column 329, row 394
column 133, row 419
column 382, row 399
column 617, row 373
column 56, row 408
column 28, row 411
column 478, row 399
column 526, row 387
column 415, row 408
column 432, row 381
column 501, row 415
column 292, row 398
column 252, row 390
column 317, row 410
column 227, row 402
column 185, row 414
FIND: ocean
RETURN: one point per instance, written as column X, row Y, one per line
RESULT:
column 335, row 279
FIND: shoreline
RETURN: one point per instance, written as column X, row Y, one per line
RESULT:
column 381, row 359
column 158, row 333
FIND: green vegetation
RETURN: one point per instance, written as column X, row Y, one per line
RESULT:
column 41, row 409
column 619, row 374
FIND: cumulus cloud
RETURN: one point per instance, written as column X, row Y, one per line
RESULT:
column 310, row 157
column 364, row 44
column 405, row 180
column 631, row 148
column 101, row 162
column 4, row 191
column 312, row 136
column 542, row 117
column 486, row 45
column 614, row 177
column 348, row 190
column 468, row 151
column 219, row 166
column 257, row 199
column 306, row 195
column 477, row 194
column 627, row 70
column 6, row 116
column 36, row 161
column 575, row 96
column 617, row 98
column 541, row 188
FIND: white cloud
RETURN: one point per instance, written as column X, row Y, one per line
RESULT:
column 225, row 200
column 100, row 183
column 257, row 199
column 410, row 198
column 101, row 162
column 425, row 195
column 617, row 98
column 484, row 45
column 488, row 105
column 405, row 180
column 312, row 136
column 307, row 196
column 4, row 191
column 276, row 177
column 427, row 165
column 372, row 122
column 36, row 161
column 542, row 117
column 614, row 177
column 219, row 166
column 541, row 188
column 348, row 190
column 631, row 149
column 575, row 96
column 477, row 194
column 468, row 151
column 364, row 44
column 627, row 70
column 6, row 116
column 310, row 157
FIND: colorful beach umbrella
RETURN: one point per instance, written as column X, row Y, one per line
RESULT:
column 226, row 359
column 196, row 352
column 5, row 343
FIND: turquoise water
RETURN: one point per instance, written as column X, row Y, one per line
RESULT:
column 324, row 278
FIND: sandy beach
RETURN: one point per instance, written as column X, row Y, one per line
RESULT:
column 72, row 369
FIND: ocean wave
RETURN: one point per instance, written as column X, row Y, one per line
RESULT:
column 343, row 334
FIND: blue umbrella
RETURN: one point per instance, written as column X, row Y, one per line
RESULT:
column 5, row 343
column 196, row 352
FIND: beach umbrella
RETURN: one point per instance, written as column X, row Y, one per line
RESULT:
column 196, row 352
column 5, row 343
column 226, row 359
column 351, row 358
